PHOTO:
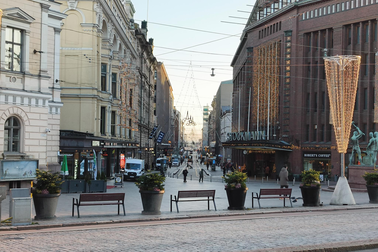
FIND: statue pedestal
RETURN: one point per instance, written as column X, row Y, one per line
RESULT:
column 356, row 172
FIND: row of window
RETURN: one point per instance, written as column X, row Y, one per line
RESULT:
column 270, row 30
column 334, row 8
column 113, row 123
column 325, row 134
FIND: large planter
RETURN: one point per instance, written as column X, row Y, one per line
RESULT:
column 310, row 195
column 373, row 193
column 45, row 205
column 151, row 201
column 236, row 198
column 76, row 185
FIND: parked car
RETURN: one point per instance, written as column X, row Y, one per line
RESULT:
column 175, row 162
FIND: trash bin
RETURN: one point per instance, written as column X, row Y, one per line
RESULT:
column 20, row 207
column 336, row 178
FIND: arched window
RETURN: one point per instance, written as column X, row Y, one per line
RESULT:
column 12, row 133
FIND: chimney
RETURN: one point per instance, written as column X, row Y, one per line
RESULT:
column 151, row 41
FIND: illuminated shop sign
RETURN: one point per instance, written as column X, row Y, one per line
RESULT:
column 246, row 136
column 317, row 155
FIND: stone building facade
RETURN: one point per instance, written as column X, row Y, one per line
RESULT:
column 30, row 109
column 280, row 57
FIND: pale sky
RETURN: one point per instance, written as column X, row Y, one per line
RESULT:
column 190, row 39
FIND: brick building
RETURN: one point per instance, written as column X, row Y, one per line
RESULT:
column 280, row 61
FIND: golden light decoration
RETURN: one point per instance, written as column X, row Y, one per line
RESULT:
column 342, row 80
column 1, row 15
column 265, row 85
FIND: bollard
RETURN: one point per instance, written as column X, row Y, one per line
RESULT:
column 191, row 177
column 262, row 180
column 211, row 178
column 294, row 181
column 255, row 177
column 267, row 178
column 277, row 181
column 328, row 182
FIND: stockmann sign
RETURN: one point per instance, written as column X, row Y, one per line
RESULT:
column 246, row 136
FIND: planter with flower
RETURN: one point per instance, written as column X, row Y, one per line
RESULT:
column 310, row 187
column 46, row 192
column 151, row 188
column 236, row 189
column 371, row 179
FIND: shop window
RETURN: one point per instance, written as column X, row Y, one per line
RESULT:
column 102, row 120
column 113, row 123
column 367, row 33
column 315, row 133
column 13, row 49
column 103, row 77
column 114, row 85
column 12, row 131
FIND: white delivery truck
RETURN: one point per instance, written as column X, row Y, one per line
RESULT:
column 134, row 168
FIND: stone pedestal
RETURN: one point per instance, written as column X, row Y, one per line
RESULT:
column 356, row 181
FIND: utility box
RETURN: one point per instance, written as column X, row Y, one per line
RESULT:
column 3, row 195
column 17, row 193
column 21, row 211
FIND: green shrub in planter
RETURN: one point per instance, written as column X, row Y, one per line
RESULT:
column 235, row 179
column 151, row 182
column 371, row 178
column 310, row 178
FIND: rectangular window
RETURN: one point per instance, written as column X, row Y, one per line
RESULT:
column 13, row 49
column 367, row 64
column 357, row 3
column 316, row 12
column 324, row 10
column 315, row 133
column 102, row 120
column 322, row 134
column 113, row 123
column 352, row 4
column 320, row 12
column 130, row 128
column 312, row 14
column 358, row 34
column 337, row 7
column 366, row 98
column 131, row 99
column 114, row 85
column 329, row 9
column 316, row 102
column 333, row 8
column 103, row 77
column 342, row 6
column 347, row 5
column 307, row 132
column 323, row 101
column 367, row 33
column 308, row 15
column 349, row 35
column 308, row 102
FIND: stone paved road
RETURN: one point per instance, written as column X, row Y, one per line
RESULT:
column 297, row 231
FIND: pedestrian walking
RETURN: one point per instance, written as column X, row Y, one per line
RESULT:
column 207, row 165
column 267, row 170
column 202, row 171
column 284, row 177
column 185, row 173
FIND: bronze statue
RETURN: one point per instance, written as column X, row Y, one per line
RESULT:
column 357, row 134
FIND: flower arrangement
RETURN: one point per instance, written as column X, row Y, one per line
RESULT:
column 47, row 182
column 371, row 178
column 310, row 178
column 235, row 179
column 151, row 182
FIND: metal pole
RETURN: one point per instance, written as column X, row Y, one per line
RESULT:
column 267, row 133
column 239, row 112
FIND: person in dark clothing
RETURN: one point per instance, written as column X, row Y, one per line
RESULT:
column 185, row 173
column 207, row 165
column 202, row 171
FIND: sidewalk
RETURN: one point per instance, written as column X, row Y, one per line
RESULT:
column 108, row 214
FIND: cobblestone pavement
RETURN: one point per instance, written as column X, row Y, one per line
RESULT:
column 304, row 231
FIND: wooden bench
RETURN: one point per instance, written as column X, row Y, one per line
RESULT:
column 194, row 195
column 98, row 199
column 275, row 193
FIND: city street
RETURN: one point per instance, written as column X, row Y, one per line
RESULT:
column 268, row 232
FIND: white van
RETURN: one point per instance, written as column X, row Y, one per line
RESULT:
column 134, row 168
column 161, row 162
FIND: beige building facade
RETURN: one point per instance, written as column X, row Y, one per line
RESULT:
column 107, row 81
column 30, row 103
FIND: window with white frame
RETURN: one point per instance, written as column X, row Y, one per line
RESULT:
column 320, row 12
column 12, row 131
column 342, row 6
column 13, row 49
